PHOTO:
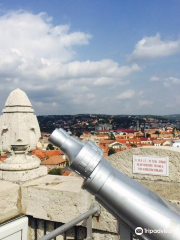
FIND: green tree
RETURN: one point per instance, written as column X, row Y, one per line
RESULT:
column 134, row 145
column 112, row 137
column 111, row 151
column 157, row 132
column 55, row 171
column 67, row 162
column 78, row 134
column 50, row 147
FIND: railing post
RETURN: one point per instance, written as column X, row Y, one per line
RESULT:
column 124, row 231
column 93, row 211
column 89, row 228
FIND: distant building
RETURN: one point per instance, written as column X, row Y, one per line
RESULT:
column 117, row 145
column 161, row 142
column 175, row 143
column 137, row 126
column 54, row 162
column 100, row 127
column 125, row 131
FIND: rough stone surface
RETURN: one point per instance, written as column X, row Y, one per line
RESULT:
column 9, row 200
column 123, row 161
column 169, row 191
column 61, row 199
column 105, row 236
column 22, row 176
column 19, row 133
column 20, row 162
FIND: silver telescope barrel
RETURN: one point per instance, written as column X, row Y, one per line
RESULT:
column 122, row 196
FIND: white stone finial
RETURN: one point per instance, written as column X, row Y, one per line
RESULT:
column 18, row 98
column 19, row 133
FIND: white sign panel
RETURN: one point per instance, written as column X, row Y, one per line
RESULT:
column 16, row 229
column 151, row 165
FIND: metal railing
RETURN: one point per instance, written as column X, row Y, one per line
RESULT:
column 126, row 233
column 94, row 211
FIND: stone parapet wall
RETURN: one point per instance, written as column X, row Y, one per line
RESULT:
column 166, row 186
column 169, row 191
column 123, row 162
column 60, row 199
column 9, row 200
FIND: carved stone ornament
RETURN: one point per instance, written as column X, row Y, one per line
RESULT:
column 19, row 133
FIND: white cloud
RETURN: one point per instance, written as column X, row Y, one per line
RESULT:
column 54, row 104
column 33, row 48
column 154, row 47
column 141, row 93
column 84, row 89
column 80, row 98
column 145, row 103
column 103, row 72
column 40, row 58
column 28, row 37
column 154, row 79
column 170, row 81
column 167, row 82
column 127, row 94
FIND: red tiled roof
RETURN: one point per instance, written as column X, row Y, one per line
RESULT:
column 65, row 172
column 124, row 130
column 50, row 153
column 104, row 141
column 128, row 146
column 54, row 160
column 104, row 131
column 134, row 140
column 104, row 147
column 158, row 141
column 124, row 141
column 46, row 153
column 102, row 135
column 39, row 153
column 2, row 158
column 145, row 139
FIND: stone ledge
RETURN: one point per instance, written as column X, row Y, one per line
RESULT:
column 22, row 176
column 61, row 199
column 9, row 200
column 169, row 191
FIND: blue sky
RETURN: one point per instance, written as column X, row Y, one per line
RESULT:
column 92, row 56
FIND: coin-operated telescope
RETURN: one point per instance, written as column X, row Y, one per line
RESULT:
column 130, row 202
